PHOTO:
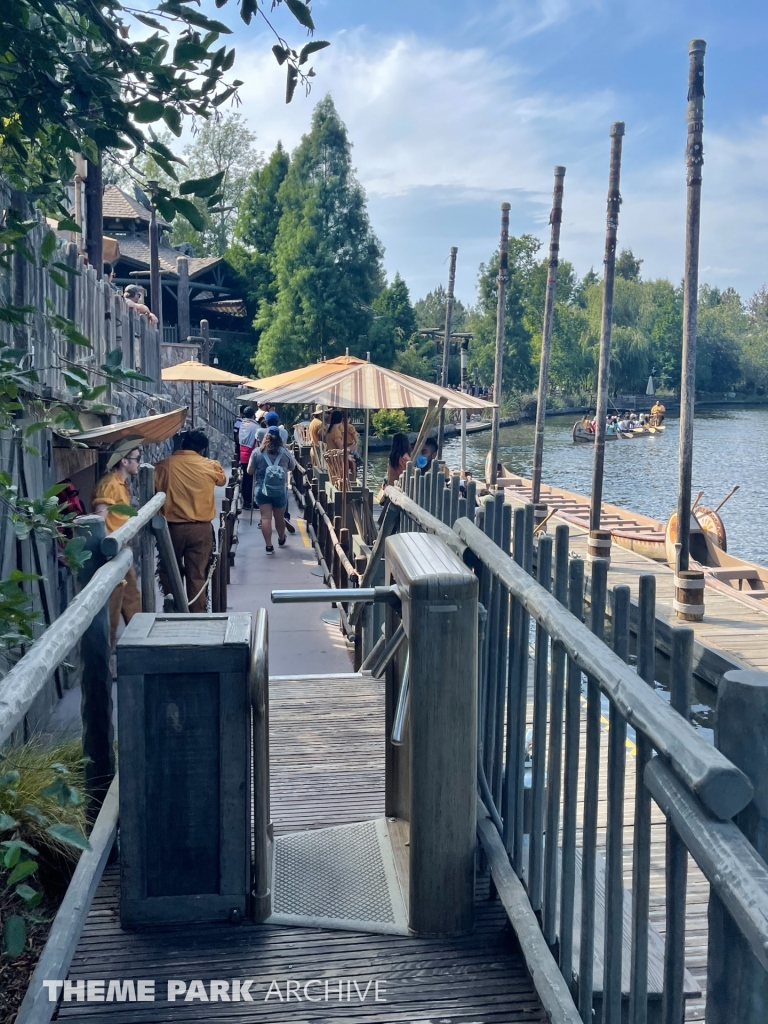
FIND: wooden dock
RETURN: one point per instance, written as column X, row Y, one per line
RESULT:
column 327, row 745
column 733, row 635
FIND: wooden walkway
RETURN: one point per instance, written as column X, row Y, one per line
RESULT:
column 327, row 740
column 327, row 748
column 733, row 635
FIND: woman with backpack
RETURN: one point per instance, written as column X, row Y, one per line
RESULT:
column 270, row 465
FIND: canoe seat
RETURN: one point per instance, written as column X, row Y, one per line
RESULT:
column 734, row 574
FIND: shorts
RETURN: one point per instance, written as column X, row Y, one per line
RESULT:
column 264, row 499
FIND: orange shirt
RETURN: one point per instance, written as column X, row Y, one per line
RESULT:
column 188, row 480
column 112, row 490
column 335, row 437
column 316, row 430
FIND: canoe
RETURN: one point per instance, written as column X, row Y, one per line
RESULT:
column 582, row 436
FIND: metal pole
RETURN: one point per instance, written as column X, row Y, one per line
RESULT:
column 499, row 367
column 447, row 343
column 609, row 262
column 147, row 541
column 695, row 160
column 555, row 218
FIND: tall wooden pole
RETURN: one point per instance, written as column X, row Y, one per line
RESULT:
column 94, row 217
column 609, row 273
column 447, row 343
column 500, row 310
column 155, row 284
column 464, row 360
column 182, row 299
column 695, row 160
column 546, row 335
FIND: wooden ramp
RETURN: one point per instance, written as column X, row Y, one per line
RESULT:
column 327, row 752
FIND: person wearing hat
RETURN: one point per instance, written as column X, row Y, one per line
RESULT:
column 246, row 440
column 317, row 426
column 271, row 419
column 188, row 478
column 112, row 490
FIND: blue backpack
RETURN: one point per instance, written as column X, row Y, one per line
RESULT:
column 275, row 482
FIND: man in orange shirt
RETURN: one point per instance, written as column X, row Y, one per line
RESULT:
column 111, row 490
column 188, row 478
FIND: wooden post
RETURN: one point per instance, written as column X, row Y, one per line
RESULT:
column 205, row 346
column 609, row 263
column 737, row 984
column 695, row 160
column 499, row 364
column 441, row 731
column 447, row 343
column 94, row 217
column 555, row 218
column 182, row 298
column 96, row 680
column 146, row 541
column 167, row 554
column 464, row 360
column 155, row 281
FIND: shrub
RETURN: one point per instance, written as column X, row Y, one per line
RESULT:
column 387, row 422
column 42, row 831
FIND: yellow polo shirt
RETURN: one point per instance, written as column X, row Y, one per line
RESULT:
column 112, row 490
column 188, row 480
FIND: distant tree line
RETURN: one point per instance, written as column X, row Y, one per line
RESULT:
column 296, row 229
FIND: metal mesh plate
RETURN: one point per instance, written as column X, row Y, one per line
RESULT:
column 341, row 877
column 199, row 631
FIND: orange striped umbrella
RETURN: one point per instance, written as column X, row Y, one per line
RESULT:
column 364, row 385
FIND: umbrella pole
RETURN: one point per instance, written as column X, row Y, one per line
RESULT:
column 499, row 361
column 193, row 405
column 365, row 447
column 345, row 477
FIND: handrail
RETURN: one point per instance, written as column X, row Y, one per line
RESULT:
column 427, row 521
column 340, row 552
column 732, row 866
column 67, row 926
column 721, row 786
column 124, row 534
column 26, row 679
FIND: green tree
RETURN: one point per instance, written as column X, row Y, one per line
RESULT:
column 394, row 322
column 327, row 259
column 519, row 373
column 430, row 311
column 722, row 327
column 628, row 266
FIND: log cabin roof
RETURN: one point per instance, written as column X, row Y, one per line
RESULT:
column 136, row 249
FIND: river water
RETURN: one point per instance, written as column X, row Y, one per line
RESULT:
column 730, row 446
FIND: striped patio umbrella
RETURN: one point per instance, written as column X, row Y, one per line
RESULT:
column 364, row 385
column 309, row 372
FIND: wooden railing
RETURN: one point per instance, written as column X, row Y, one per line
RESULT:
column 331, row 540
column 97, row 310
column 541, row 836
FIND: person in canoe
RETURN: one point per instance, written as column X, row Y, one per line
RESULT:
column 657, row 413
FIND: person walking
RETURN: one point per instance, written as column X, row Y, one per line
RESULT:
column 188, row 478
column 270, row 465
column 247, row 434
column 271, row 419
column 111, row 491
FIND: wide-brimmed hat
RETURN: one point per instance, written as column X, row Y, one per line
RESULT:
column 319, row 410
column 120, row 451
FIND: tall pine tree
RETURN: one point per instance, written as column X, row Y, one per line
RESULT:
column 393, row 322
column 327, row 260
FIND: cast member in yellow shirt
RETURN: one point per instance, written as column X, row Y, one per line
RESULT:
column 112, row 489
column 188, row 478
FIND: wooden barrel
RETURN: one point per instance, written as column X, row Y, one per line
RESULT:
column 599, row 545
column 689, row 595
column 539, row 515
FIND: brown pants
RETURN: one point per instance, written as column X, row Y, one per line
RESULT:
column 193, row 545
column 124, row 603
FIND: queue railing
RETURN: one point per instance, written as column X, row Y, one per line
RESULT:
column 549, row 682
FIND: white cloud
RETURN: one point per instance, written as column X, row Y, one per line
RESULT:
column 442, row 133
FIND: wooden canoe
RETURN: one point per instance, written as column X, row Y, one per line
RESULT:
column 582, row 436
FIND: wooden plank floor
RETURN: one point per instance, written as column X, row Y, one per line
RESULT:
column 732, row 635
column 327, row 746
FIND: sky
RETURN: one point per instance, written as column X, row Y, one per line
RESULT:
column 455, row 107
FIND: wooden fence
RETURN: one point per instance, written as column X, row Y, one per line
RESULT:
column 567, row 817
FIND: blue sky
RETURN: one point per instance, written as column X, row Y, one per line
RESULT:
column 454, row 107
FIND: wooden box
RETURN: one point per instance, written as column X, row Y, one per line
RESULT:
column 184, row 755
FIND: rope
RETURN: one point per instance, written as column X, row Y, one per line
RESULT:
column 211, row 571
